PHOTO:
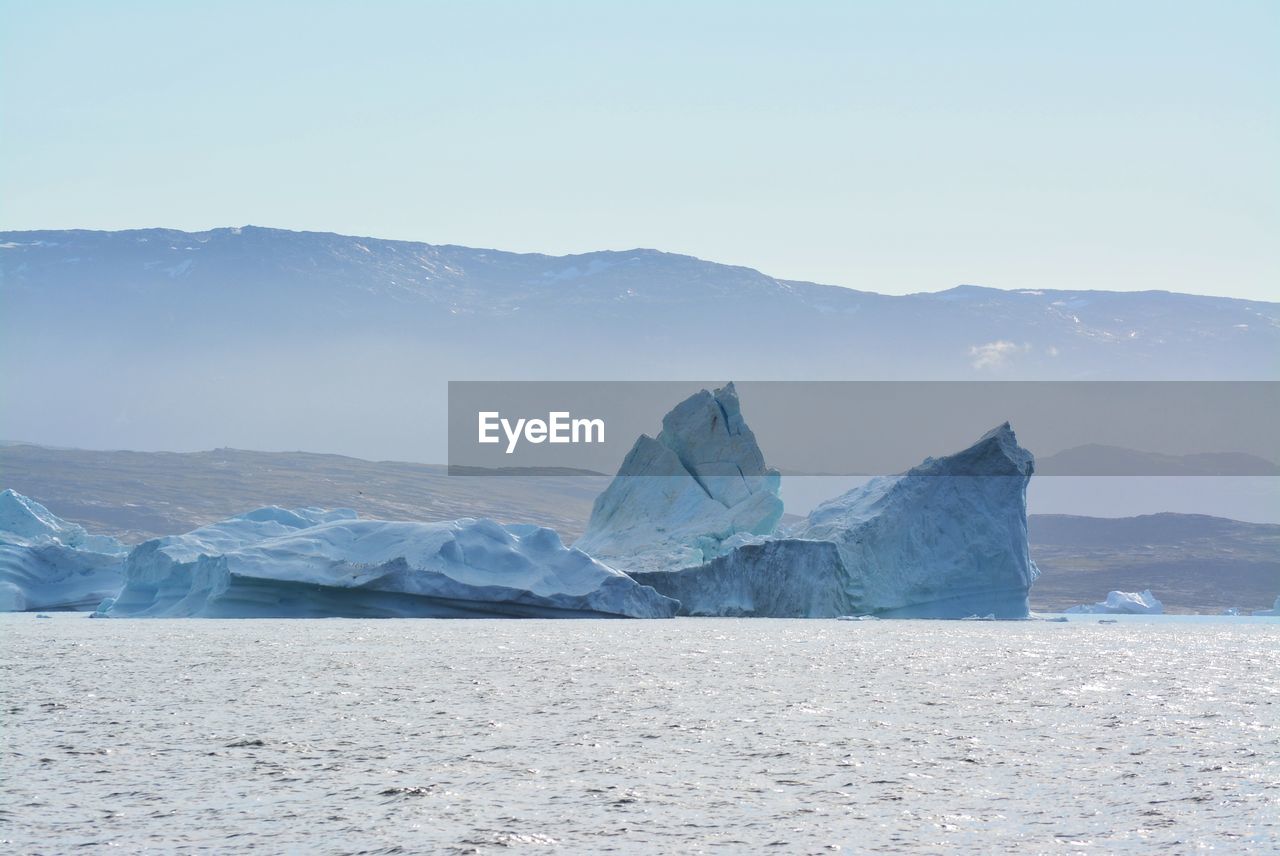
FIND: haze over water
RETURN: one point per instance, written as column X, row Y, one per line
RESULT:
column 699, row 735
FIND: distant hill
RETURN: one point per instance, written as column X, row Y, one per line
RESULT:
column 264, row 338
column 1194, row 563
column 140, row 495
column 1099, row 460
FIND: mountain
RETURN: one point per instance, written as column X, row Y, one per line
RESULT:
column 263, row 338
column 1098, row 460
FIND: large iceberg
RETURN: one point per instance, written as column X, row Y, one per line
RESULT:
column 1273, row 611
column 1122, row 603
column 49, row 563
column 687, row 495
column 313, row 563
column 947, row 539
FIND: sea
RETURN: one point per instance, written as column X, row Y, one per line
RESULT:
column 1129, row 735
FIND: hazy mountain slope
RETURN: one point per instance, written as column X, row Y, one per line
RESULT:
column 1095, row 459
column 262, row 338
column 1192, row 562
column 139, row 495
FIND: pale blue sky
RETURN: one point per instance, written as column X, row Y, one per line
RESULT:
column 892, row 146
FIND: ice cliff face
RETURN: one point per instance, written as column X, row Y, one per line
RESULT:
column 947, row 539
column 312, row 563
column 1122, row 603
column 680, row 499
column 48, row 563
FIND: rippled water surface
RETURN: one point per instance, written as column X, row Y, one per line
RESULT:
column 663, row 736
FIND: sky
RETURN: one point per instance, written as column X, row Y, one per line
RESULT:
column 894, row 146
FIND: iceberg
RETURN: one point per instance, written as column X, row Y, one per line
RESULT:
column 48, row 563
column 692, row 493
column 947, row 539
column 309, row 562
column 1273, row 611
column 1121, row 603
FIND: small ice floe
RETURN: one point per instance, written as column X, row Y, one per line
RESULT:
column 408, row 791
column 1123, row 603
column 856, row 618
column 43, row 615
column 988, row 617
column 1107, row 621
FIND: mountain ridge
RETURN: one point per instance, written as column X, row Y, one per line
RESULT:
column 1098, row 459
column 252, row 337
column 7, row 239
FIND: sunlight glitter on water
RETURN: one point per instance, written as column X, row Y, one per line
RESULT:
column 691, row 734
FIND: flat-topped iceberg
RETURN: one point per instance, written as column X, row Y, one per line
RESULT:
column 688, row 524
column 313, row 563
column 49, row 563
column 681, row 498
column 1122, row 603
column 947, row 539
